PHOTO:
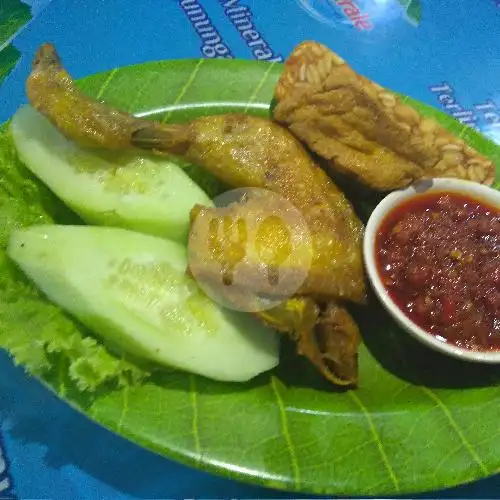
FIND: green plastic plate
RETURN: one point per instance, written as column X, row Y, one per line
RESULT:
column 417, row 422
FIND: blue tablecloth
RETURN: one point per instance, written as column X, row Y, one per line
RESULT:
column 445, row 53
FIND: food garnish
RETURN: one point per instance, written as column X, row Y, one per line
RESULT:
column 132, row 290
column 149, row 194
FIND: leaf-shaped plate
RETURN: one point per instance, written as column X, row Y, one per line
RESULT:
column 417, row 422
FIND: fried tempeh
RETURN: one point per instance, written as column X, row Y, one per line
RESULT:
column 364, row 130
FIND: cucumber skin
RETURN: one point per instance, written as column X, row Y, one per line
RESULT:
column 70, row 265
column 156, row 195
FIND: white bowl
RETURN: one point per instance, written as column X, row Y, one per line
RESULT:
column 468, row 188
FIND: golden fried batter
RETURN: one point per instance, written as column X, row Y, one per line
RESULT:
column 364, row 130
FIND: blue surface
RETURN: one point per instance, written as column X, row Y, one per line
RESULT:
column 54, row 452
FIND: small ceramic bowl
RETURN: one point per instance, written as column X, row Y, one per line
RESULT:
column 468, row 188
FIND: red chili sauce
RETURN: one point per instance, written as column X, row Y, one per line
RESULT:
column 439, row 258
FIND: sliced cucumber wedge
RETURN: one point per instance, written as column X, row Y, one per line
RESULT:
column 132, row 290
column 142, row 193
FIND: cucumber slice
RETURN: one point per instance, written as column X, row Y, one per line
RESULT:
column 132, row 290
column 110, row 188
